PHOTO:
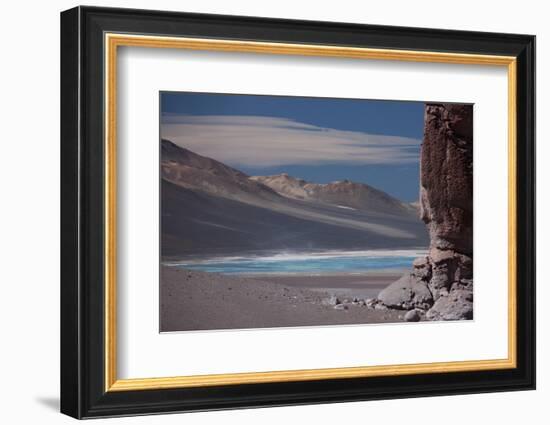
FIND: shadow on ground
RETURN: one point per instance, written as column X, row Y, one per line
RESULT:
column 49, row 402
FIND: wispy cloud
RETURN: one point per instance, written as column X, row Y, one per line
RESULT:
column 272, row 141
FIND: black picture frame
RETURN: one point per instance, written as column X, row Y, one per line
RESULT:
column 83, row 392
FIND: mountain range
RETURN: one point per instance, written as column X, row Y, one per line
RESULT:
column 210, row 208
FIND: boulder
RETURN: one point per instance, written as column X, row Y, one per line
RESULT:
column 458, row 305
column 412, row 316
column 406, row 293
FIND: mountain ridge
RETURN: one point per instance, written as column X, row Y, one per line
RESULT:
column 344, row 193
column 208, row 207
column 189, row 169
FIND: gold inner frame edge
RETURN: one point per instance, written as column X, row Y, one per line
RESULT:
column 113, row 40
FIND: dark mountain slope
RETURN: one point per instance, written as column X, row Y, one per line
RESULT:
column 196, row 222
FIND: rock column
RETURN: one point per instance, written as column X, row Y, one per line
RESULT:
column 446, row 206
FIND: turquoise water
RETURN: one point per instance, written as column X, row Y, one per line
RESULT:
column 305, row 263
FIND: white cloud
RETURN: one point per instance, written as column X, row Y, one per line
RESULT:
column 272, row 141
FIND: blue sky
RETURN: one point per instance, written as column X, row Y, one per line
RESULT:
column 316, row 139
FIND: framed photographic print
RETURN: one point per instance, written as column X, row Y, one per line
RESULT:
column 261, row 212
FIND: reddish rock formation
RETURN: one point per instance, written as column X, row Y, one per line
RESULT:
column 446, row 206
column 446, row 180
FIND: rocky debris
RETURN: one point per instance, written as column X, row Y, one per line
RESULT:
column 357, row 302
column 446, row 206
column 347, row 303
column 371, row 302
column 333, row 301
column 443, row 271
column 458, row 305
column 412, row 316
column 406, row 293
column 342, row 304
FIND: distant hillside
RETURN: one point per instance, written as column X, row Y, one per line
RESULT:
column 187, row 169
column 210, row 208
column 343, row 193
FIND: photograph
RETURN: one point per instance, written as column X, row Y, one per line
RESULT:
column 289, row 211
column 281, row 210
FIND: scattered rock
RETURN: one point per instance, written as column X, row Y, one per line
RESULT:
column 412, row 316
column 371, row 302
column 341, row 307
column 333, row 301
